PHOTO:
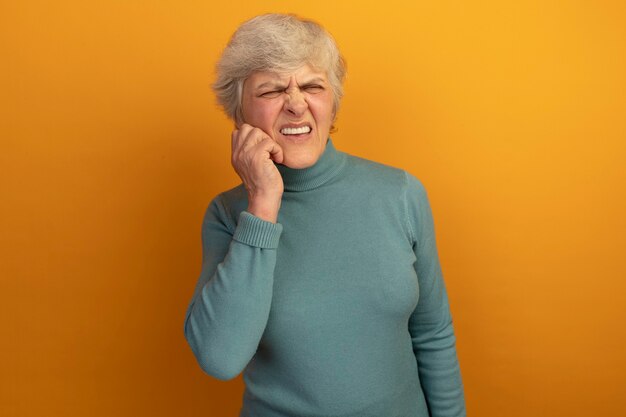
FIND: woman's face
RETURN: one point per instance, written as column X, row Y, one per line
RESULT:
column 295, row 109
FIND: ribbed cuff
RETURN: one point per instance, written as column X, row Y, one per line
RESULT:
column 254, row 231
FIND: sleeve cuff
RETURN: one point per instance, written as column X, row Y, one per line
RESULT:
column 253, row 231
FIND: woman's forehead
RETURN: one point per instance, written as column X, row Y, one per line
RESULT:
column 304, row 73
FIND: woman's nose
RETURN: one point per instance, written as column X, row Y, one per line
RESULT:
column 295, row 102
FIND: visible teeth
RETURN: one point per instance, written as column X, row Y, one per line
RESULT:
column 295, row 130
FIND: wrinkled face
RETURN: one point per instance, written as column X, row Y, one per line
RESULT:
column 295, row 109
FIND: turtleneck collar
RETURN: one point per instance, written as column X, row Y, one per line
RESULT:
column 327, row 166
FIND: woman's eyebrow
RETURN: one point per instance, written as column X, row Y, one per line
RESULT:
column 272, row 84
column 277, row 85
column 313, row 81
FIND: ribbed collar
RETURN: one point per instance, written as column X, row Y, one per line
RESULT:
column 328, row 166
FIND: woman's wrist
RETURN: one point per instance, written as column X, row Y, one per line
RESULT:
column 264, row 208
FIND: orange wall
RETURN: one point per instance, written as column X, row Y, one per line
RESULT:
column 511, row 113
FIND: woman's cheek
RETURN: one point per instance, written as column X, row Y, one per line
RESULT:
column 264, row 115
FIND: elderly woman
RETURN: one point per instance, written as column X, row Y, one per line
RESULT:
column 320, row 277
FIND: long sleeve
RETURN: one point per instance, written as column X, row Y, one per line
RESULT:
column 430, row 325
column 230, row 306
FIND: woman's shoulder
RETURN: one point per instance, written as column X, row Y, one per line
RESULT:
column 227, row 205
column 381, row 174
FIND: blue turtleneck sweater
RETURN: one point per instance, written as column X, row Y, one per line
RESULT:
column 339, row 309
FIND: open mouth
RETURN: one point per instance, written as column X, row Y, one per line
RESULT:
column 295, row 131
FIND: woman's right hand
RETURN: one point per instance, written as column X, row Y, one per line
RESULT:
column 253, row 155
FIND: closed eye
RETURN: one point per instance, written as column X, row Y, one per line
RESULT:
column 271, row 94
column 313, row 88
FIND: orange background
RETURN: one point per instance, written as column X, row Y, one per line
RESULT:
column 511, row 113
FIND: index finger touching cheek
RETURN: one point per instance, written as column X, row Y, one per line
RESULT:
column 233, row 138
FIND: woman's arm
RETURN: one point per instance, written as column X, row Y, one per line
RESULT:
column 231, row 303
column 430, row 324
column 230, row 306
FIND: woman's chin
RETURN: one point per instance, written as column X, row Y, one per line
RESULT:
column 299, row 161
column 302, row 155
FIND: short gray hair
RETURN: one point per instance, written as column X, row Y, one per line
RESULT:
column 275, row 42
